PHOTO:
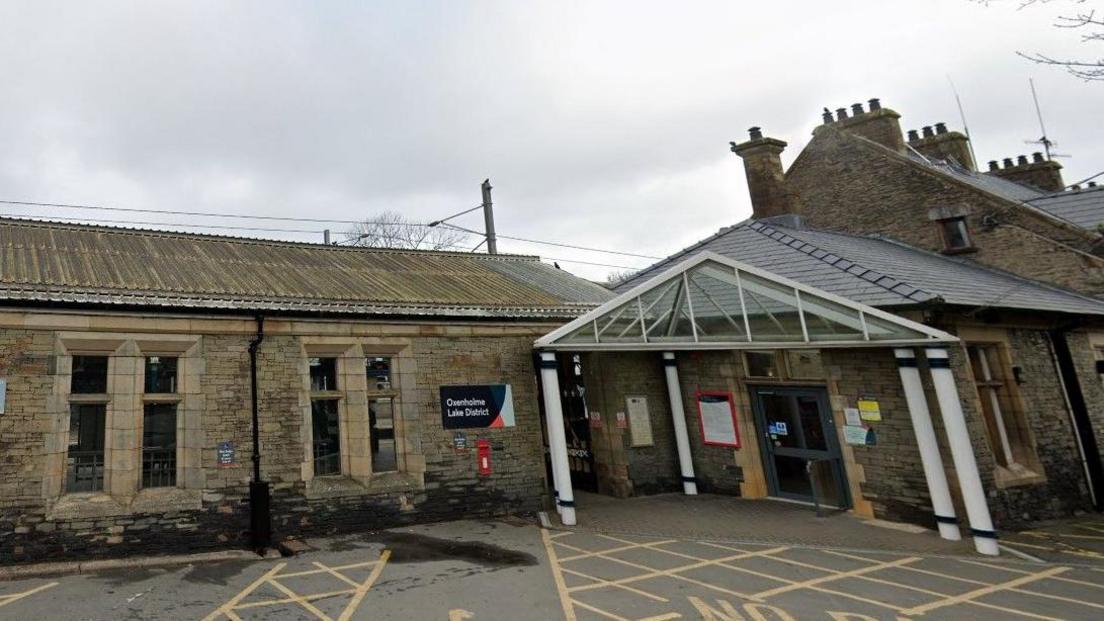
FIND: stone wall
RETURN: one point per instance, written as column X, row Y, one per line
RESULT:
column 844, row 184
column 438, row 482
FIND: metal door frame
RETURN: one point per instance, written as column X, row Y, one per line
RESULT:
column 834, row 452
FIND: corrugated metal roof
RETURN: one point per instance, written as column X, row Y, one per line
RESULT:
column 1084, row 207
column 94, row 264
column 876, row 271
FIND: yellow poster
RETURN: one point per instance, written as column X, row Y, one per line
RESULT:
column 869, row 410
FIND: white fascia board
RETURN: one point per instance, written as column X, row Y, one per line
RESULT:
column 549, row 339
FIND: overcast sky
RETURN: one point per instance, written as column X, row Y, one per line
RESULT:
column 600, row 124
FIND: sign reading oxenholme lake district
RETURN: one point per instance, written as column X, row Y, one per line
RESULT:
column 477, row 406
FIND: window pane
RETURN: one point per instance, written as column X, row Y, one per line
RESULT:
column 664, row 318
column 379, row 373
column 771, row 309
column 159, row 445
column 160, row 374
column 716, row 301
column 89, row 375
column 381, row 419
column 804, row 364
column 761, row 364
column 323, row 373
column 585, row 334
column 882, row 330
column 828, row 321
column 327, row 437
column 621, row 325
column 955, row 234
column 85, row 457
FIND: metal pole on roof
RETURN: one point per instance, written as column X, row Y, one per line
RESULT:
column 488, row 218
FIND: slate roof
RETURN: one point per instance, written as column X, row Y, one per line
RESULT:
column 72, row 263
column 990, row 183
column 1084, row 207
column 876, row 271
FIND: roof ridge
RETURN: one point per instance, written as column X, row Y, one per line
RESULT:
column 885, row 281
column 31, row 222
column 724, row 230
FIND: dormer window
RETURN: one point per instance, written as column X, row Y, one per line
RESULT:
column 956, row 235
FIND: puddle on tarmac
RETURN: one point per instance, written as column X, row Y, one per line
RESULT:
column 414, row 548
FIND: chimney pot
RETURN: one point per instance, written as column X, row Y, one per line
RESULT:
column 1092, row 184
column 940, row 128
column 827, row 116
column 994, row 165
column 1021, row 160
column 928, row 133
column 913, row 135
column 755, row 133
column 841, row 114
column 875, row 104
column 856, row 109
column 1037, row 157
column 1008, row 163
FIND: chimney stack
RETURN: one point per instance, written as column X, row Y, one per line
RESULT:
column 765, row 178
column 876, row 123
column 943, row 144
column 1039, row 173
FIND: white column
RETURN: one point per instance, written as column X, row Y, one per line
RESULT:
column 962, row 451
column 678, row 417
column 928, row 445
column 557, row 437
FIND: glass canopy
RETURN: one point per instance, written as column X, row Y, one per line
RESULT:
column 713, row 302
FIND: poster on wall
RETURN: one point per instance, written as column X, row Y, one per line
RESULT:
column 717, row 412
column 640, row 423
column 869, row 409
column 464, row 407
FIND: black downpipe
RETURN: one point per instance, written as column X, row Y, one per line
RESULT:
column 260, row 506
column 1081, row 418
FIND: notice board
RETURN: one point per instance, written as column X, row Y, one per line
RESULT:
column 717, row 412
column 640, row 423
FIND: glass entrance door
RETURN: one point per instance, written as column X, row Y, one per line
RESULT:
column 800, row 450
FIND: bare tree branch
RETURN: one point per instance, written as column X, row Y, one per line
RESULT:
column 392, row 230
column 1092, row 27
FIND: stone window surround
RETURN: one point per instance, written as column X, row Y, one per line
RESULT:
column 353, row 395
column 1033, row 472
column 122, row 493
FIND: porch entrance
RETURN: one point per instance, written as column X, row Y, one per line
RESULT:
column 801, row 453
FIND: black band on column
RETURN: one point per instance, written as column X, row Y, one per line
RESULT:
column 670, row 362
column 906, row 362
column 566, row 503
column 686, row 479
column 942, row 519
column 985, row 534
column 549, row 364
column 939, row 363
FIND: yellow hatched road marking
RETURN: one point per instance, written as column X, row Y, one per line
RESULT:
column 971, row 595
column 227, row 608
column 14, row 597
column 605, row 582
column 287, row 600
column 557, row 577
column 635, row 546
column 674, row 572
column 652, row 546
column 597, row 610
column 1057, row 597
column 836, row 576
column 336, row 574
column 299, row 599
column 666, row 617
column 362, row 590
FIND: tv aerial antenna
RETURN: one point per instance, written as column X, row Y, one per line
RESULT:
column 1043, row 139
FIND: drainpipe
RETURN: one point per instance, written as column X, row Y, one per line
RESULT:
column 260, row 513
column 1079, row 416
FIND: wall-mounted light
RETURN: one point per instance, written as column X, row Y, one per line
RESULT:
column 1017, row 373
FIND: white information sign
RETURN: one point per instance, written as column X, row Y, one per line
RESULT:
column 640, row 423
column 3, row 393
column 851, row 415
column 718, row 419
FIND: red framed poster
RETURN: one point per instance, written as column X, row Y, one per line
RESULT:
column 717, row 415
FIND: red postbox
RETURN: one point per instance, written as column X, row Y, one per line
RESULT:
column 483, row 456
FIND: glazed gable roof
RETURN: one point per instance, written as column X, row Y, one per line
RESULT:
column 82, row 264
column 876, row 271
